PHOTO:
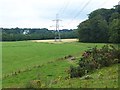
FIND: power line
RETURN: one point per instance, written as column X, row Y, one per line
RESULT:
column 104, row 3
column 82, row 9
column 86, row 4
column 66, row 4
column 64, row 7
column 60, row 10
column 82, row 3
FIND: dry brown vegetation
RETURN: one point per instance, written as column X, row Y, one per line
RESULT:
column 53, row 41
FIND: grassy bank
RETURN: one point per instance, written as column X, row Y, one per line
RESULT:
column 41, row 61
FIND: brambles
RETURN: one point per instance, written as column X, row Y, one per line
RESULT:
column 94, row 59
column 73, row 72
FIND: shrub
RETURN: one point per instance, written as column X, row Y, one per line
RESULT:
column 94, row 59
column 73, row 72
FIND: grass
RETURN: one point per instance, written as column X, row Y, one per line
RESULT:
column 45, row 73
column 20, row 55
column 108, row 79
column 52, row 71
column 27, row 56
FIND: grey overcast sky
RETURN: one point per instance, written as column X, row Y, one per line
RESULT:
column 40, row 13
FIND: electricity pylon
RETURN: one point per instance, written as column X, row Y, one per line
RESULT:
column 57, row 31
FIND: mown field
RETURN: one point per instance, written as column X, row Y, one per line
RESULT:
column 25, row 63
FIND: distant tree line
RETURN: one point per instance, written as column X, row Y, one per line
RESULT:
column 19, row 34
column 102, row 25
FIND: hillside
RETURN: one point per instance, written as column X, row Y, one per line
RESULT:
column 35, row 69
column 54, row 75
column 106, row 77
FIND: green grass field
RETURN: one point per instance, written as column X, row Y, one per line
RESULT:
column 40, row 61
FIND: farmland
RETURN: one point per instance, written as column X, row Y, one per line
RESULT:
column 26, row 61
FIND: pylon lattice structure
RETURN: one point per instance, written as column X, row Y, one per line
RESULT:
column 57, row 31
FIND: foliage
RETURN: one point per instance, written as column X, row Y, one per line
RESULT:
column 95, row 59
column 102, row 26
column 19, row 34
column 102, row 78
column 105, row 13
column 94, row 30
column 83, row 33
column 114, row 31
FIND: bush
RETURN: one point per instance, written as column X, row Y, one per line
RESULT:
column 94, row 59
column 73, row 72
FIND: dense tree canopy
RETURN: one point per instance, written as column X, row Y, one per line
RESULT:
column 114, row 31
column 19, row 34
column 103, row 25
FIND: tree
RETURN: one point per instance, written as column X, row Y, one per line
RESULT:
column 105, row 13
column 103, row 25
column 93, row 30
column 114, row 15
column 17, row 34
column 117, row 8
column 84, row 31
column 99, row 29
column 114, row 31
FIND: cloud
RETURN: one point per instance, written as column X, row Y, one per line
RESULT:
column 40, row 13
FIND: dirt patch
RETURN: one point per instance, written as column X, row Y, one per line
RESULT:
column 70, row 57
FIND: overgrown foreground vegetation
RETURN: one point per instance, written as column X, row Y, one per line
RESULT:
column 95, row 59
column 47, row 65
